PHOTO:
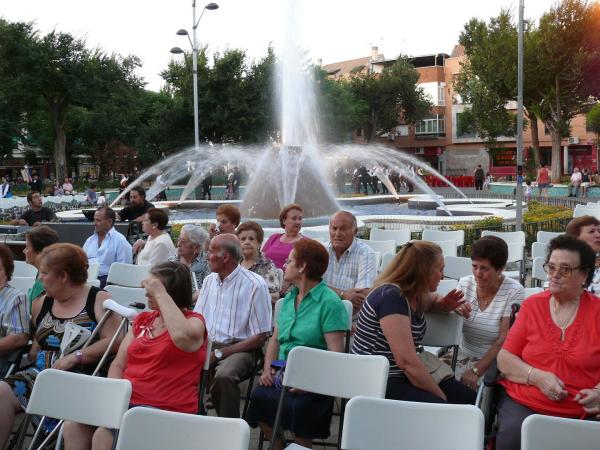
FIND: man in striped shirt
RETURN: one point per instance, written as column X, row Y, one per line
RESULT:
column 236, row 306
column 351, row 271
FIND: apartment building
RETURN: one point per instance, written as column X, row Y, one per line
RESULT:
column 441, row 141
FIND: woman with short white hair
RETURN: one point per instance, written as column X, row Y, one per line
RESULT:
column 191, row 252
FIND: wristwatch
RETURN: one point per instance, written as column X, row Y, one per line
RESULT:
column 218, row 354
column 475, row 371
column 79, row 357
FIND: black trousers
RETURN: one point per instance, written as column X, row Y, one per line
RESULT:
column 478, row 185
column 400, row 388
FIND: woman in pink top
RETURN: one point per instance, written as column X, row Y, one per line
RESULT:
column 279, row 245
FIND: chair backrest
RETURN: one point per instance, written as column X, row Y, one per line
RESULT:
column 93, row 270
column 381, row 247
column 386, row 259
column 126, row 295
column 442, row 329
column 130, row 275
column 401, row 237
column 457, row 236
column 280, row 276
column 446, row 286
column 449, row 248
column 516, row 252
column 586, row 210
column 537, row 270
column 22, row 284
column 155, row 429
column 59, row 394
column 456, row 267
column 532, row 290
column 539, row 249
column 372, row 423
column 327, row 373
column 546, row 236
column 320, row 235
column 22, row 269
column 510, row 237
column 557, row 433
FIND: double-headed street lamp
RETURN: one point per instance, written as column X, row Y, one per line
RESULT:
column 194, row 44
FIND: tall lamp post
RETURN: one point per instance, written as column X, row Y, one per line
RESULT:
column 194, row 44
column 520, row 172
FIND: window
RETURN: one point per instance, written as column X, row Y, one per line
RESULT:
column 442, row 94
column 432, row 125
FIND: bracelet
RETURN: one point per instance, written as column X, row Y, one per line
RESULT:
column 528, row 374
column 342, row 295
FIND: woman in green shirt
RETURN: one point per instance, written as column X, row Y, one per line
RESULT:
column 311, row 315
column 36, row 240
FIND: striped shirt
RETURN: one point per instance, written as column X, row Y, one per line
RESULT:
column 369, row 339
column 235, row 308
column 14, row 312
column 482, row 328
column 355, row 269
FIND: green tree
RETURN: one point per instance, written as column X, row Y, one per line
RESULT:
column 388, row 96
column 593, row 119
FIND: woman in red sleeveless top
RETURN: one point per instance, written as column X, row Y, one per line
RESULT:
column 543, row 180
column 162, row 355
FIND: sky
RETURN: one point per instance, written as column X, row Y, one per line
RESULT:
column 331, row 30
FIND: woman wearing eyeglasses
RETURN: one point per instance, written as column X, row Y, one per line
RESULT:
column 551, row 357
column 489, row 296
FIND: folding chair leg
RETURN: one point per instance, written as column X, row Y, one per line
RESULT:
column 19, row 439
column 248, row 393
column 277, row 418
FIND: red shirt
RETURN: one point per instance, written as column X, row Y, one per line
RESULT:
column 162, row 375
column 535, row 338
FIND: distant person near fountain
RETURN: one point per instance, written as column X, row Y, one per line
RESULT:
column 543, row 180
column 37, row 213
column 478, row 177
column 138, row 206
column 279, row 245
column 207, row 182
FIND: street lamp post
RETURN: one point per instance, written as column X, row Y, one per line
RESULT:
column 194, row 44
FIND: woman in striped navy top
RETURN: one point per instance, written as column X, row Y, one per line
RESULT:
column 388, row 326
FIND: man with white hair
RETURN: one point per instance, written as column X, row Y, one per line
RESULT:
column 236, row 306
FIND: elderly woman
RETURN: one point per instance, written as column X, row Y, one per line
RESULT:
column 587, row 228
column 391, row 323
column 36, row 240
column 159, row 246
column 228, row 218
column 279, row 245
column 251, row 236
column 162, row 355
column 489, row 296
column 191, row 252
column 63, row 271
column 311, row 315
column 14, row 311
column 551, row 357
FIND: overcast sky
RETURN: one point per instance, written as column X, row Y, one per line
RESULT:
column 334, row 30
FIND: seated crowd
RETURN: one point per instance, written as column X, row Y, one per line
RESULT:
column 224, row 284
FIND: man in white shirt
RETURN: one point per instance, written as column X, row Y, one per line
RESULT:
column 106, row 245
column 236, row 306
column 352, row 269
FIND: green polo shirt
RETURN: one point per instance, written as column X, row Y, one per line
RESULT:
column 321, row 311
column 35, row 291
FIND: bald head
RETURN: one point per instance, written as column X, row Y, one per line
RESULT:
column 342, row 230
column 224, row 254
column 346, row 216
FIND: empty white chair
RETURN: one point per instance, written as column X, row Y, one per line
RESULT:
column 372, row 423
column 546, row 236
column 126, row 295
column 457, row 236
column 22, row 284
column 586, row 210
column 155, row 429
column 516, row 254
column 401, row 237
column 22, row 269
column 93, row 270
column 510, row 237
column 446, row 286
column 448, row 247
column 532, row 291
column 322, row 235
column 130, row 275
column 456, row 267
column 556, row 433
column 539, row 249
column 385, row 260
column 381, row 247
column 538, row 275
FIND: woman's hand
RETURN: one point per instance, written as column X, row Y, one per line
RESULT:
column 590, row 400
column 154, row 287
column 138, row 246
column 266, row 379
column 469, row 379
column 451, row 301
column 65, row 363
column 464, row 310
column 550, row 385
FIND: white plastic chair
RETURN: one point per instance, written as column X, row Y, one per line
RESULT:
column 386, row 259
column 457, row 236
column 448, row 247
column 22, row 284
column 446, row 286
column 456, row 267
column 532, row 291
column 94, row 283
column 93, row 270
column 556, row 433
column 130, row 275
column 538, row 275
column 510, row 237
column 126, row 295
column 155, row 429
column 327, row 373
column 516, row 254
column 322, row 235
column 381, row 247
column 584, row 210
column 22, row 269
column 401, row 237
column 546, row 236
column 443, row 330
column 539, row 249
column 372, row 423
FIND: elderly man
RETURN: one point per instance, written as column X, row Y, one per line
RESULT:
column 138, row 206
column 106, row 245
column 351, row 269
column 237, row 308
column 37, row 212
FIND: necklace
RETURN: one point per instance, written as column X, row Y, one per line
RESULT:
column 563, row 325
